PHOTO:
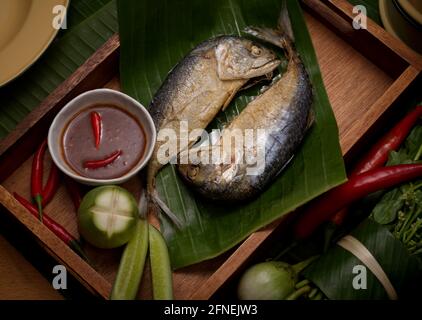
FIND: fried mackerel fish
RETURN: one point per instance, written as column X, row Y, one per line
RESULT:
column 283, row 111
column 200, row 85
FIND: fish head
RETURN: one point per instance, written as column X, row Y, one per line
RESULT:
column 209, row 176
column 189, row 164
column 198, row 170
column 194, row 173
column 239, row 58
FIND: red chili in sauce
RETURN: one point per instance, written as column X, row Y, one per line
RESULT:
column 119, row 131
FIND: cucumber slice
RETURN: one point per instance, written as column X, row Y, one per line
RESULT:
column 107, row 216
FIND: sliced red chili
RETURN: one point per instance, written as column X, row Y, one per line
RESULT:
column 53, row 226
column 95, row 164
column 358, row 186
column 51, row 186
column 37, row 175
column 96, row 127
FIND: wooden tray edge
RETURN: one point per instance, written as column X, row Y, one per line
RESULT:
column 61, row 93
column 399, row 47
column 60, row 251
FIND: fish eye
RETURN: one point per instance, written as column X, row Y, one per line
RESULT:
column 193, row 171
column 256, row 51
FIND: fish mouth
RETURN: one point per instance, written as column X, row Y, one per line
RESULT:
column 262, row 69
column 272, row 64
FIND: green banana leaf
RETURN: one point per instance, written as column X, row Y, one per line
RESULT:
column 80, row 10
column 154, row 36
column 333, row 272
column 90, row 24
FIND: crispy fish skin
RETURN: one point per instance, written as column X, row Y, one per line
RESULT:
column 203, row 83
column 283, row 110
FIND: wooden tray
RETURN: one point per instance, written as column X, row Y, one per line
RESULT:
column 365, row 73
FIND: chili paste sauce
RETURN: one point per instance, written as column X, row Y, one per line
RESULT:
column 119, row 131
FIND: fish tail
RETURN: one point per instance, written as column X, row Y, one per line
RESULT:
column 284, row 24
column 281, row 37
column 155, row 203
column 155, row 199
column 275, row 37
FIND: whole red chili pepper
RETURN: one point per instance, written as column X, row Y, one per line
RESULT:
column 96, row 127
column 358, row 186
column 37, row 175
column 74, row 192
column 53, row 226
column 378, row 154
column 51, row 186
column 95, row 164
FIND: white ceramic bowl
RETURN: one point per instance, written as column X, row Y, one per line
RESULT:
column 89, row 98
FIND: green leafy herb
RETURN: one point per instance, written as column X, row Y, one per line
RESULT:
column 410, row 152
column 387, row 209
column 401, row 208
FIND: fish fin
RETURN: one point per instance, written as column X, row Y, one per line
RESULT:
column 143, row 197
column 311, row 119
column 284, row 24
column 284, row 165
column 160, row 203
column 143, row 206
column 266, row 77
column 229, row 99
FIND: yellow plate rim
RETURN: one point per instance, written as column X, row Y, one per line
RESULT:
column 411, row 10
column 386, row 19
column 33, row 53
